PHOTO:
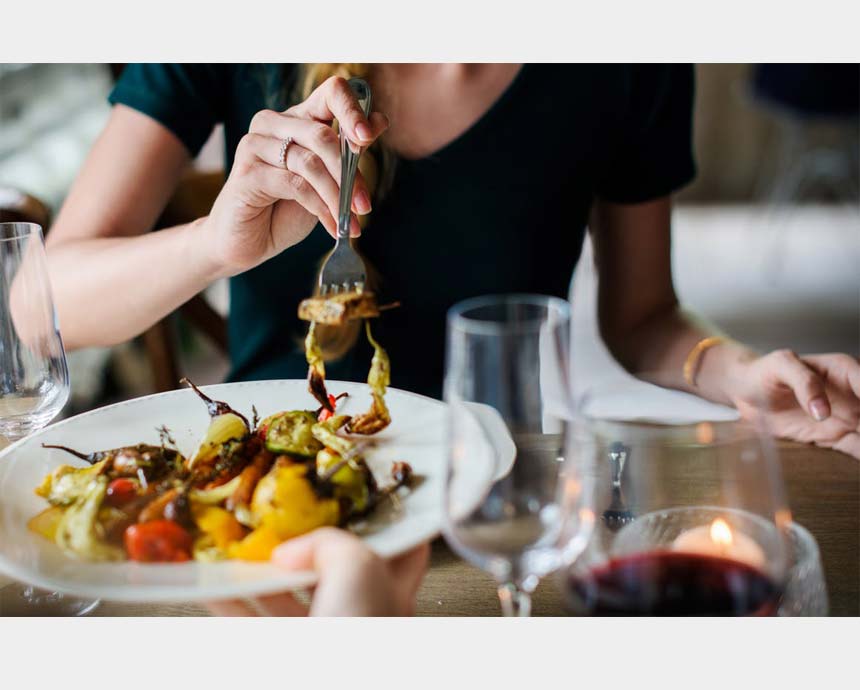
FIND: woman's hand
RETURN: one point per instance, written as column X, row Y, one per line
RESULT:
column 352, row 580
column 814, row 398
column 266, row 207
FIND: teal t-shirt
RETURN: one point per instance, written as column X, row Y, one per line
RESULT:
column 500, row 209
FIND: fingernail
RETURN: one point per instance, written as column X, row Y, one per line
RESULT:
column 364, row 132
column 355, row 227
column 362, row 202
column 819, row 409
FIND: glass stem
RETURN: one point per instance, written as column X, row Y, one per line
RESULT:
column 515, row 600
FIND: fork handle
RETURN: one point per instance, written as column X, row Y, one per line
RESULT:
column 349, row 161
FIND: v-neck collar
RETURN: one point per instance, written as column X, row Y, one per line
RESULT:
column 475, row 127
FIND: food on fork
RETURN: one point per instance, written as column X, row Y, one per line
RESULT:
column 247, row 488
column 336, row 309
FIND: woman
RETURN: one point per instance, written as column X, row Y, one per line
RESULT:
column 481, row 180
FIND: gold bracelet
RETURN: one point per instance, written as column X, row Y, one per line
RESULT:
column 692, row 361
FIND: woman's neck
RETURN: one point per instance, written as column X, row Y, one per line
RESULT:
column 430, row 105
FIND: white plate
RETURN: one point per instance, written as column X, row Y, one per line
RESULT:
column 415, row 435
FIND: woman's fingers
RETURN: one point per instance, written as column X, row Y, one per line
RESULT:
column 316, row 137
column 840, row 369
column 408, row 570
column 280, row 183
column 849, row 443
column 805, row 382
column 334, row 100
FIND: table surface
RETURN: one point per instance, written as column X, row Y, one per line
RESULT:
column 823, row 491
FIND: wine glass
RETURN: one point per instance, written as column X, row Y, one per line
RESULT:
column 34, row 379
column 806, row 589
column 705, row 524
column 512, row 507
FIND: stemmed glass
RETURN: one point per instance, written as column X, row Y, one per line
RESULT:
column 691, row 520
column 512, row 506
column 34, row 379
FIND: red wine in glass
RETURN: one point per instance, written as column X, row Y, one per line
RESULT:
column 669, row 583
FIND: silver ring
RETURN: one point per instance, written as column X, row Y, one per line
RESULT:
column 282, row 156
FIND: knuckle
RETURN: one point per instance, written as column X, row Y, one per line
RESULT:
column 296, row 182
column 260, row 117
column 324, row 135
column 311, row 161
column 336, row 84
column 785, row 355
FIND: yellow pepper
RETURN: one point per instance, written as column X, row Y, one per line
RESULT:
column 286, row 506
column 257, row 546
column 218, row 524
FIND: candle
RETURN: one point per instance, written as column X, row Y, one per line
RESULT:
column 718, row 539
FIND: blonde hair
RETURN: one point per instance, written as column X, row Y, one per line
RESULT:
column 377, row 167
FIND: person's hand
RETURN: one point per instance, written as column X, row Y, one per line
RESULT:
column 265, row 207
column 352, row 580
column 813, row 398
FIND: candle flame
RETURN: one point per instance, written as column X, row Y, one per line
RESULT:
column 721, row 533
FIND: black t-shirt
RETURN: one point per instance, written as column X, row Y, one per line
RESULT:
column 500, row 209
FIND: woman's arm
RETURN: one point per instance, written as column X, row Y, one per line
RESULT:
column 112, row 279
column 813, row 398
column 640, row 319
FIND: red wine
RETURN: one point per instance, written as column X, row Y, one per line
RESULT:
column 667, row 583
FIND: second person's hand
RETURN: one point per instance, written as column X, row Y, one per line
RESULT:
column 266, row 207
column 352, row 580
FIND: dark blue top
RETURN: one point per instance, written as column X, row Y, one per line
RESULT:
column 502, row 208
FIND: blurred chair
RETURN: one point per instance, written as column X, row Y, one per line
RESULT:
column 17, row 206
column 817, row 109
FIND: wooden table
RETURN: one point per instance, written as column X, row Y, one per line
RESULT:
column 823, row 492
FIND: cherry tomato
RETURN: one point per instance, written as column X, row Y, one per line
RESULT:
column 120, row 491
column 157, row 541
column 324, row 413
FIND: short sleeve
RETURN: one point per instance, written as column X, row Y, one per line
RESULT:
column 187, row 99
column 654, row 152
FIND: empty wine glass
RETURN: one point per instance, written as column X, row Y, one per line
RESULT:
column 706, row 524
column 512, row 507
column 34, row 379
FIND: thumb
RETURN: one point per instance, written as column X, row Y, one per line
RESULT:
column 807, row 385
column 312, row 551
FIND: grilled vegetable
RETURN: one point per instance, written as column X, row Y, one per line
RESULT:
column 326, row 433
column 67, row 484
column 77, row 530
column 351, row 480
column 316, row 369
column 335, row 310
column 379, row 378
column 226, row 425
column 130, row 461
column 158, row 541
column 285, row 505
column 248, row 479
column 291, row 433
column 219, row 525
column 215, row 495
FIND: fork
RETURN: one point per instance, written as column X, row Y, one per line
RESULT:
column 617, row 514
column 344, row 270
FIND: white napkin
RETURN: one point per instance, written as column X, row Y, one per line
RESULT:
column 602, row 389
